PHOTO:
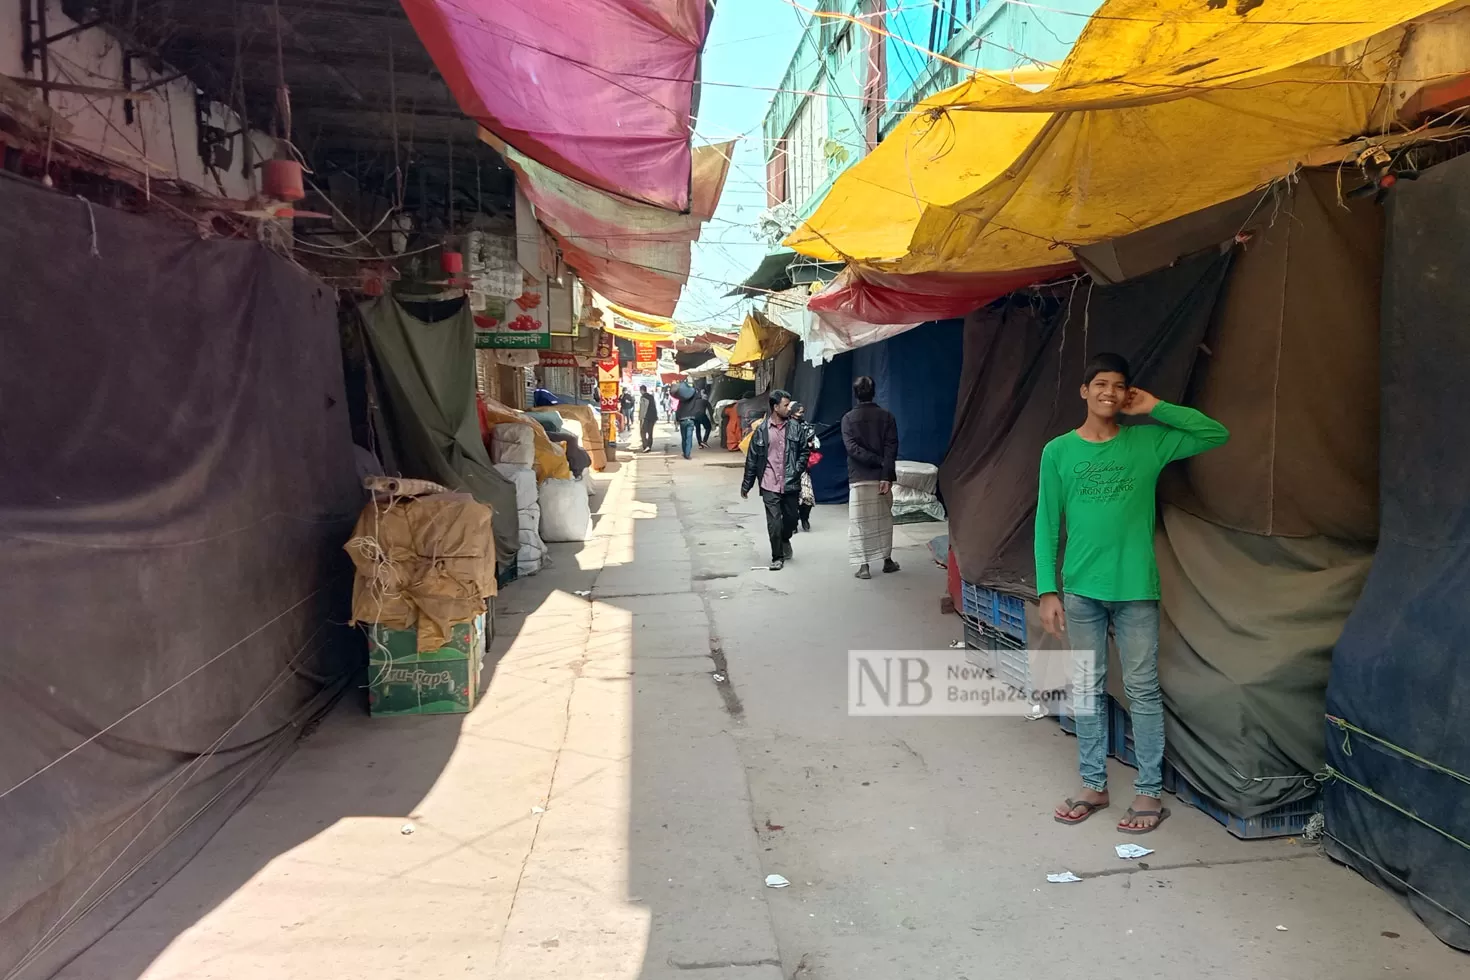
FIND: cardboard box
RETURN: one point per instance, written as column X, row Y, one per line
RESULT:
column 404, row 681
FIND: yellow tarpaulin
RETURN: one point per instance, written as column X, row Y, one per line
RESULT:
column 759, row 339
column 1081, row 177
column 631, row 324
column 645, row 319
column 1099, row 174
column 931, row 157
column 955, row 190
column 1134, row 51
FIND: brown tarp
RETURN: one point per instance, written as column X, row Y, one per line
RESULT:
column 1293, row 374
column 179, row 479
column 1245, row 644
column 1019, row 387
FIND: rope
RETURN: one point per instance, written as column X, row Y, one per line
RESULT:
column 1387, row 873
column 1348, row 729
column 92, row 221
column 1329, row 773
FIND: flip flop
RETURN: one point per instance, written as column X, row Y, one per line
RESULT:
column 1090, row 809
column 1162, row 813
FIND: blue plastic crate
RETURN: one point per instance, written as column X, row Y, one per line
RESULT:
column 1005, row 613
column 1284, row 821
column 981, row 652
column 1288, row 820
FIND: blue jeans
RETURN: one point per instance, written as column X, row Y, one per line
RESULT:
column 686, row 437
column 1135, row 627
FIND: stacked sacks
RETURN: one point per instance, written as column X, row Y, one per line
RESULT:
column 513, row 444
column 586, row 423
column 424, row 563
column 566, row 513
column 914, row 496
column 425, row 566
column 549, row 458
column 532, row 553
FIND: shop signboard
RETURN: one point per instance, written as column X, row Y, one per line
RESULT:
column 522, row 322
column 645, row 356
column 608, row 386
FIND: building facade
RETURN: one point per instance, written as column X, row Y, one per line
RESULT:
column 846, row 86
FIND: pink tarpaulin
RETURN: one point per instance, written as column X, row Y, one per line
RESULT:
column 633, row 254
column 873, row 298
column 599, row 90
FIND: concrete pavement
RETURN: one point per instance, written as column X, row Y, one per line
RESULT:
column 646, row 754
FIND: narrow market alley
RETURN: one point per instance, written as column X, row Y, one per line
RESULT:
column 664, row 725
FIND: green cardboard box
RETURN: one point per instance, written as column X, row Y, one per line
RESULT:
column 403, row 681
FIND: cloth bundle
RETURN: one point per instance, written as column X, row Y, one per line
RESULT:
column 513, row 443
column 566, row 514
column 532, row 553
column 914, row 492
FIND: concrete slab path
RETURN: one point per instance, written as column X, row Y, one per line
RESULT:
column 646, row 753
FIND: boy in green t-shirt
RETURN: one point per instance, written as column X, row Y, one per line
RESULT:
column 1101, row 477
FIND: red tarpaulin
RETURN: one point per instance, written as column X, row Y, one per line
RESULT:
column 873, row 298
column 634, row 255
column 600, row 90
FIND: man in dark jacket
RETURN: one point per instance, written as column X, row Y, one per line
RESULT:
column 779, row 447
column 688, row 414
column 870, row 435
column 647, row 415
column 625, row 408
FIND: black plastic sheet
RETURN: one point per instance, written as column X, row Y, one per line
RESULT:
column 1399, row 814
column 179, row 479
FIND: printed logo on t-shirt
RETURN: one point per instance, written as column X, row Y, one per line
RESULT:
column 1102, row 481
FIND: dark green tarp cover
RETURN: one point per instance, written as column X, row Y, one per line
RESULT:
column 425, row 354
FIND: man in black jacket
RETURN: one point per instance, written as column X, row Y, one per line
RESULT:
column 870, row 435
column 647, row 415
column 779, row 447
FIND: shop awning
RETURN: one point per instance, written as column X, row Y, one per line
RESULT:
column 632, row 325
column 781, row 271
column 759, row 339
column 1189, row 46
column 601, row 92
column 634, row 254
column 954, row 192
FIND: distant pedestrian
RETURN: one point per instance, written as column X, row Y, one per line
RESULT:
column 625, row 405
column 808, row 494
column 703, row 420
column 688, row 414
column 870, row 434
column 647, row 415
column 776, row 460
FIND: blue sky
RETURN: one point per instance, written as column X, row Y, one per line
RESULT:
column 750, row 43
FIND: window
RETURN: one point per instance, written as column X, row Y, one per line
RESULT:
column 842, row 47
column 806, row 143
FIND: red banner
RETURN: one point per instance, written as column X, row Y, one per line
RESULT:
column 645, row 356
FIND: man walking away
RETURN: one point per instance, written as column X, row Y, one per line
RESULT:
column 776, row 459
column 625, row 407
column 647, row 415
column 1101, row 479
column 703, row 421
column 870, row 434
column 687, row 415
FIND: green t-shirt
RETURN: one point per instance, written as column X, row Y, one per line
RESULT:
column 1105, row 490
